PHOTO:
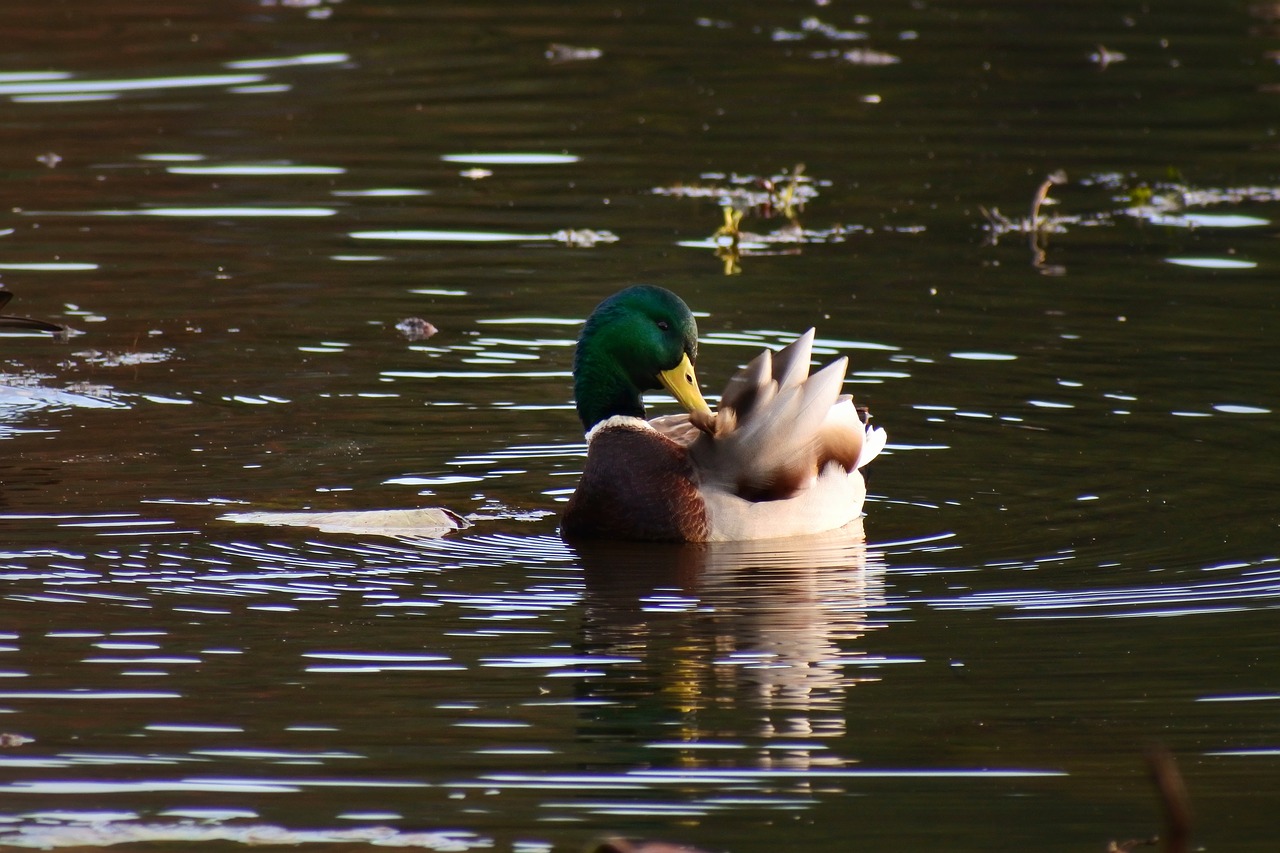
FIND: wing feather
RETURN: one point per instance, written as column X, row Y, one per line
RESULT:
column 778, row 426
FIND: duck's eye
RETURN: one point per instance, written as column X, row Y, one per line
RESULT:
column 664, row 325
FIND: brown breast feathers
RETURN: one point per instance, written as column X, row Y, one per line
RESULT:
column 637, row 484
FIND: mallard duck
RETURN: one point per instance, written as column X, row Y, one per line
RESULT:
column 779, row 458
column 10, row 322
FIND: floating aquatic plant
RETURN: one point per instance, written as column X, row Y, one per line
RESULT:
column 1170, row 203
column 765, row 196
column 741, row 197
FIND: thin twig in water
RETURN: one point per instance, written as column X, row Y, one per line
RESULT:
column 1173, row 797
column 1174, row 801
column 1037, row 226
column 1058, row 178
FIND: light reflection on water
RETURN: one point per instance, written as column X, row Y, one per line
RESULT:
column 1248, row 586
column 772, row 628
column 778, row 635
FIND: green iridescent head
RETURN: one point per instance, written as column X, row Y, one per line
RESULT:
column 640, row 339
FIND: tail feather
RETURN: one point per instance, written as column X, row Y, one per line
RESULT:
column 872, row 444
column 750, row 387
column 791, row 363
column 778, row 426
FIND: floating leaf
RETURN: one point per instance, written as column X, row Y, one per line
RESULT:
column 424, row 523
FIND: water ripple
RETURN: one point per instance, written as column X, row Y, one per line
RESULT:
column 67, row 85
column 1257, row 588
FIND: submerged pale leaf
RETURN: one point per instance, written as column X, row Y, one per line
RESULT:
column 424, row 523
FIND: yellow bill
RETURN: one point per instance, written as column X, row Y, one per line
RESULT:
column 683, row 385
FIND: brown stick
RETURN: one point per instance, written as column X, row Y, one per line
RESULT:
column 1173, row 798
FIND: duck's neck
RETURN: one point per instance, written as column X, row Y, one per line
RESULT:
column 601, row 389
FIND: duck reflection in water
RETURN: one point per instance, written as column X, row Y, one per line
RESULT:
column 761, row 631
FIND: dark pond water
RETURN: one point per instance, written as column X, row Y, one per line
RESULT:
column 1070, row 550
